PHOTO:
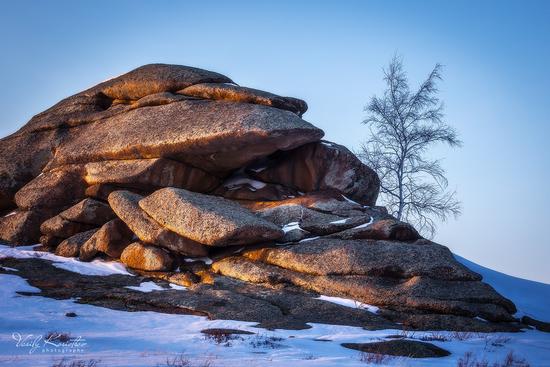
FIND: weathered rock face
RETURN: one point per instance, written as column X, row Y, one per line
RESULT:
column 149, row 174
column 168, row 167
column 209, row 220
column 365, row 257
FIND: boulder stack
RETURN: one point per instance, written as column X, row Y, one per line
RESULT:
column 173, row 169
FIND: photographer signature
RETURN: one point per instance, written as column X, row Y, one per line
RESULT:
column 49, row 343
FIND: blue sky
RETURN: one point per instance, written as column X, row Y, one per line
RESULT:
column 496, row 88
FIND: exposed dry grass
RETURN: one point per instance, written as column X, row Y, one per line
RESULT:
column 511, row 360
column 375, row 358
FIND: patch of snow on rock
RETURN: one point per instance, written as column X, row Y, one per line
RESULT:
column 235, row 182
column 147, row 287
column 291, row 226
column 364, row 225
column 350, row 303
column 96, row 267
column 205, row 260
column 340, row 221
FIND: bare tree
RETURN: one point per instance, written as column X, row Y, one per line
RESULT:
column 404, row 124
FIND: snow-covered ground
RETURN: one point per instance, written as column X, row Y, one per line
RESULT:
column 119, row 338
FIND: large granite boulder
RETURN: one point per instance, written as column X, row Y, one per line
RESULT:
column 365, row 257
column 217, row 136
column 56, row 188
column 22, row 158
column 63, row 228
column 89, row 211
column 419, row 293
column 125, row 204
column 23, row 226
column 209, row 220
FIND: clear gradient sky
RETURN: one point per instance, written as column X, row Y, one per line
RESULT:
column 496, row 88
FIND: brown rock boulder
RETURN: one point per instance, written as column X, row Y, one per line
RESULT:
column 145, row 257
column 125, row 205
column 364, row 257
column 202, row 133
column 71, row 246
column 385, row 229
column 209, row 220
column 22, row 157
column 155, row 78
column 321, row 166
column 456, row 297
column 23, row 226
column 149, row 174
column 235, row 93
column 63, row 228
column 60, row 187
column 111, row 239
column 89, row 211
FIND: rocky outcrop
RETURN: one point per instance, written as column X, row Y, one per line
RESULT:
column 186, row 177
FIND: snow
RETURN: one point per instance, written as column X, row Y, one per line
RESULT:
column 340, row 221
column 291, row 226
column 350, row 303
column 10, row 214
column 259, row 169
column 147, row 287
column 349, row 200
column 364, row 225
column 144, row 338
column 177, row 287
column 309, row 239
column 5, row 268
column 205, row 260
column 235, row 182
column 95, row 267
column 536, row 305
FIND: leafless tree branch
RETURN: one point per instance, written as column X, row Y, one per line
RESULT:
column 403, row 125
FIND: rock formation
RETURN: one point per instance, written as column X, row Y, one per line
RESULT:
column 185, row 176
